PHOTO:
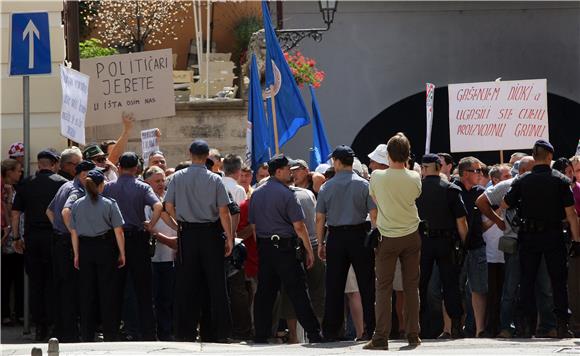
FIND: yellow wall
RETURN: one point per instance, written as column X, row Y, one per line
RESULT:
column 45, row 92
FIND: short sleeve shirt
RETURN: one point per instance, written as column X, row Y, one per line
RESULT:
column 58, row 203
column 273, row 209
column 132, row 196
column 495, row 195
column 197, row 194
column 94, row 218
column 345, row 199
column 308, row 204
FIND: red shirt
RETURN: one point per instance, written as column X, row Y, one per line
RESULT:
column 251, row 264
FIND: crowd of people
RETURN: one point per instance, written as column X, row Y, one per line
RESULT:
column 121, row 248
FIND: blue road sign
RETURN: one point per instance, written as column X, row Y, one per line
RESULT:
column 30, row 44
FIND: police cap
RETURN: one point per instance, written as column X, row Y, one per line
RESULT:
column 199, row 147
column 84, row 166
column 545, row 145
column 430, row 158
column 129, row 160
column 96, row 176
column 50, row 154
column 342, row 151
column 278, row 161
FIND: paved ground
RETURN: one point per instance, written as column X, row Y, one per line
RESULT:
column 13, row 343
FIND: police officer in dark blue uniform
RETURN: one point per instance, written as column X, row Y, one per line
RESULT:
column 132, row 195
column 33, row 195
column 344, row 203
column 65, row 275
column 544, row 199
column 278, row 222
column 443, row 216
column 96, row 227
column 198, row 200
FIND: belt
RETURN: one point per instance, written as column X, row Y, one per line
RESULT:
column 188, row 225
column 131, row 233
column 60, row 234
column 362, row 226
column 106, row 236
column 441, row 233
column 277, row 241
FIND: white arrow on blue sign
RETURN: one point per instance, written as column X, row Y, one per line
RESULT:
column 30, row 44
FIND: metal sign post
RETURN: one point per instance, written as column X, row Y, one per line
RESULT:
column 26, row 125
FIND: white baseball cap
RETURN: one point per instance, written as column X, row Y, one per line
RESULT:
column 379, row 155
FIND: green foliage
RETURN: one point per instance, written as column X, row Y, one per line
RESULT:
column 94, row 48
column 243, row 31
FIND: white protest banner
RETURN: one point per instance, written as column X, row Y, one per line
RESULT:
column 141, row 83
column 149, row 142
column 430, row 91
column 75, row 90
column 494, row 116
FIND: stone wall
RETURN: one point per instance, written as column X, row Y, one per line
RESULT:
column 221, row 123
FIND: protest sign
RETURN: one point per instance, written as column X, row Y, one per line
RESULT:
column 141, row 83
column 75, row 90
column 493, row 116
column 149, row 142
column 430, row 91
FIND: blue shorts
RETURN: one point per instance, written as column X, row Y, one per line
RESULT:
column 477, row 270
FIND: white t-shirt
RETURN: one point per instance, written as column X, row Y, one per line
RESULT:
column 491, row 238
column 237, row 191
column 163, row 253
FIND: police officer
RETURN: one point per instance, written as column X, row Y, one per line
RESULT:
column 132, row 195
column 96, row 224
column 33, row 196
column 65, row 275
column 198, row 200
column 343, row 204
column 277, row 218
column 444, row 217
column 544, row 199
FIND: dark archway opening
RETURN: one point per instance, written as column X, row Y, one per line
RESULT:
column 408, row 116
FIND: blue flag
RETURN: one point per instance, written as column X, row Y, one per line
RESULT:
column 291, row 113
column 321, row 149
column 259, row 147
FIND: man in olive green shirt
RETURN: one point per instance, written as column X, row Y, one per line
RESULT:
column 394, row 191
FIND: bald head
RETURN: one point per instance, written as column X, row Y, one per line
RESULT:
column 526, row 164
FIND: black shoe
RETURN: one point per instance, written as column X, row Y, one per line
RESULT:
column 364, row 337
column 564, row 330
column 260, row 340
column 315, row 338
column 456, row 330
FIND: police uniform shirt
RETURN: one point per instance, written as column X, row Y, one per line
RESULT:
column 90, row 218
column 307, row 201
column 75, row 194
column 440, row 203
column 273, row 209
column 58, row 203
column 34, row 195
column 345, row 199
column 544, row 193
column 132, row 195
column 197, row 194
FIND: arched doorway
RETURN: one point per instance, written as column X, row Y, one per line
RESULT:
column 408, row 116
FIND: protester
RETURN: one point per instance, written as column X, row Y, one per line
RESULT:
column 16, row 152
column 157, row 158
column 245, row 179
column 69, row 159
column 303, row 178
column 394, row 191
column 262, row 172
column 99, row 158
column 447, row 164
column 217, row 159
column 378, row 158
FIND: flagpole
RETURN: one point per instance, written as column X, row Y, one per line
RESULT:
column 274, row 121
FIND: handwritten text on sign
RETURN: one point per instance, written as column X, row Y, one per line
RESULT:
column 138, row 82
column 492, row 116
column 75, row 89
column 149, row 142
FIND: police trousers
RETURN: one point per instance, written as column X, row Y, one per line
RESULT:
column 532, row 246
column 279, row 266
column 200, row 268
column 138, row 264
column 97, row 270
column 343, row 248
column 38, row 263
column 66, row 289
column 439, row 250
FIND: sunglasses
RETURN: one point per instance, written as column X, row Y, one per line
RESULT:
column 477, row 171
column 100, row 159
